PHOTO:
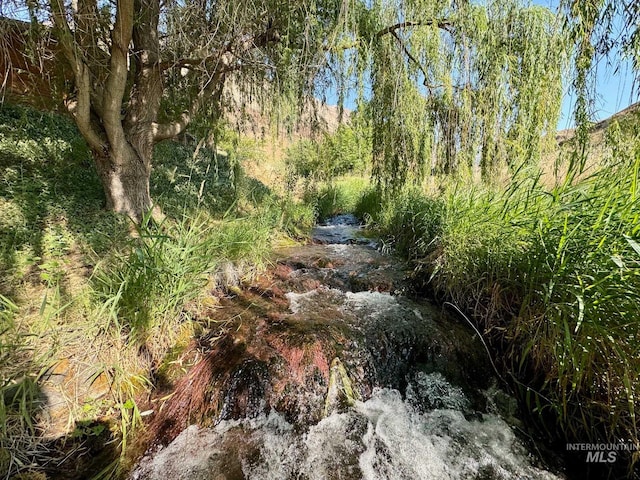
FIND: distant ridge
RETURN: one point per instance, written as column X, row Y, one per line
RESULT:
column 597, row 130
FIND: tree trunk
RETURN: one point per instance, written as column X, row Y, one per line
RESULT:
column 125, row 178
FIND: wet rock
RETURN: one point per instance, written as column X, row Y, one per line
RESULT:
column 353, row 268
column 340, row 393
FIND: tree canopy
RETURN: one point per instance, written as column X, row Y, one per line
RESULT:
column 459, row 84
column 448, row 83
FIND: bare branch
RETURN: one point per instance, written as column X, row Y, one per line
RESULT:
column 172, row 129
column 228, row 60
column 442, row 24
column 271, row 35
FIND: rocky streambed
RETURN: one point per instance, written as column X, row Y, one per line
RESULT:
column 327, row 370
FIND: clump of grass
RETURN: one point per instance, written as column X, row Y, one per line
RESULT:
column 412, row 223
column 109, row 304
column 370, row 205
column 20, row 443
column 552, row 277
column 142, row 285
column 189, row 177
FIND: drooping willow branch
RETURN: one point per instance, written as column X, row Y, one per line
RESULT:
column 226, row 61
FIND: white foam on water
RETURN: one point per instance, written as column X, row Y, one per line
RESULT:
column 181, row 459
column 296, row 299
column 341, row 249
column 314, row 300
column 364, row 304
column 382, row 438
column 300, row 302
column 372, row 304
column 340, row 229
column 440, row 444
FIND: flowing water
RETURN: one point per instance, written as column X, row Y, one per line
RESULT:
column 342, row 377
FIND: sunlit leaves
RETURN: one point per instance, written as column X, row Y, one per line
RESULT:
column 458, row 86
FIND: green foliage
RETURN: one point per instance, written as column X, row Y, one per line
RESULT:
column 455, row 85
column 346, row 151
column 19, row 403
column 296, row 219
column 597, row 29
column 187, row 179
column 554, row 279
column 144, row 287
column 50, row 195
column 412, row 223
column 273, row 77
column 338, row 196
column 76, row 277
column 152, row 279
column 370, row 205
column 303, row 158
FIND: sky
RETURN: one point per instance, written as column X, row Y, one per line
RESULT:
column 614, row 92
column 613, row 87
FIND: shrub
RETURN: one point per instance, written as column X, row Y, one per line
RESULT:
column 340, row 153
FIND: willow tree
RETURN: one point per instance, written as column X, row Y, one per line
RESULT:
column 132, row 62
column 456, row 83
column 452, row 82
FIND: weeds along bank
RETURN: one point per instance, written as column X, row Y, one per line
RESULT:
column 88, row 313
column 552, row 278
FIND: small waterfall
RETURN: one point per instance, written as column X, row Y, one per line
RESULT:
column 385, row 437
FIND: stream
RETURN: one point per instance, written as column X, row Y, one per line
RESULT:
column 328, row 370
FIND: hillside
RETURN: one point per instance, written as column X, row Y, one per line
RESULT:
column 626, row 118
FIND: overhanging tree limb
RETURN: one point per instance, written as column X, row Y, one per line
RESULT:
column 224, row 62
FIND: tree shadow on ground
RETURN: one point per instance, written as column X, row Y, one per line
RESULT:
column 51, row 199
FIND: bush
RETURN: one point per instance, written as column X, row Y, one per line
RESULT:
column 341, row 153
column 370, row 205
column 339, row 196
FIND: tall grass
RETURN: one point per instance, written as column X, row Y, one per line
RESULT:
column 551, row 276
column 20, row 444
column 335, row 196
column 144, row 287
